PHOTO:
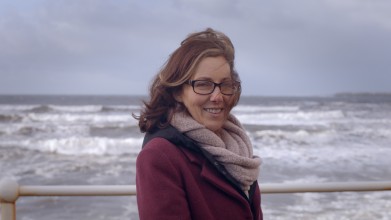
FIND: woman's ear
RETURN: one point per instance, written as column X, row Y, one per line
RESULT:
column 178, row 96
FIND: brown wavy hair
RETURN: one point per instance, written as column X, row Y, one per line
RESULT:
column 178, row 69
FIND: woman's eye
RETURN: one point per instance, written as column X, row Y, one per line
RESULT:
column 203, row 84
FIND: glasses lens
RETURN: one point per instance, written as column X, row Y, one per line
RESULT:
column 203, row 87
column 228, row 88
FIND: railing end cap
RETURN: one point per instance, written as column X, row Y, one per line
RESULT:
column 9, row 190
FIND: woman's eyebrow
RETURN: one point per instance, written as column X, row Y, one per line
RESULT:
column 210, row 79
column 204, row 78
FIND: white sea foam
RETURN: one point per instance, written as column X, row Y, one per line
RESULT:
column 292, row 118
column 67, row 108
column 241, row 109
column 344, row 206
column 76, row 108
column 79, row 118
column 81, row 145
column 277, row 137
column 30, row 130
column 93, row 108
column 324, row 157
column 16, row 108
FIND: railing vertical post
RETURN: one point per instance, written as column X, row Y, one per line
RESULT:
column 9, row 193
column 8, row 211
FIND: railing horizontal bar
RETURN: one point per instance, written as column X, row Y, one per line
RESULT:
column 10, row 190
column 324, row 187
column 75, row 190
column 125, row 190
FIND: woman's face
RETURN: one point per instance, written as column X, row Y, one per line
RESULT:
column 209, row 110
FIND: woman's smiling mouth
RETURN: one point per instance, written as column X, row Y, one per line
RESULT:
column 213, row 110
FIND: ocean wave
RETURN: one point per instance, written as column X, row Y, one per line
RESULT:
column 77, row 108
column 335, row 134
column 241, row 109
column 6, row 118
column 120, row 108
column 370, row 131
column 297, row 118
column 29, row 131
column 93, row 108
column 349, row 157
column 80, row 118
column 299, row 137
column 80, row 145
column 115, row 131
column 40, row 109
column 67, row 108
column 16, row 108
column 38, row 130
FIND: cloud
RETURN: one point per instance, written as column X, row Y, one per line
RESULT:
column 283, row 47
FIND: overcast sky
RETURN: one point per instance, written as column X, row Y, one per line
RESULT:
column 283, row 47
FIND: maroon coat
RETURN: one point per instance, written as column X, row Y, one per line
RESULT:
column 174, row 182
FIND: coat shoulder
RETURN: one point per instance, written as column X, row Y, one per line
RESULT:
column 161, row 149
column 159, row 144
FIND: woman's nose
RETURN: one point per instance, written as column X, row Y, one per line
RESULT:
column 216, row 95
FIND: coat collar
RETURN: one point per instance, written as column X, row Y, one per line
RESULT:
column 211, row 170
column 215, row 173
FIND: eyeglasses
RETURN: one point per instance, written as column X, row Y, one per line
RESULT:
column 206, row 87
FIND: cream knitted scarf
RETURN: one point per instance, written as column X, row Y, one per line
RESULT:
column 232, row 148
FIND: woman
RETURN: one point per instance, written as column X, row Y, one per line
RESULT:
column 196, row 161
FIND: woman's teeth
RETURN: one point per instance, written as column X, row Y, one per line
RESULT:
column 214, row 110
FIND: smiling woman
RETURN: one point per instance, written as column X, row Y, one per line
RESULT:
column 197, row 161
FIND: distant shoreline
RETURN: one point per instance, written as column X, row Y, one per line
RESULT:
column 145, row 95
column 138, row 99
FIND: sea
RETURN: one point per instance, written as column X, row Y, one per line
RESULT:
column 94, row 140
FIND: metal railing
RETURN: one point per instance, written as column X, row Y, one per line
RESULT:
column 10, row 191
